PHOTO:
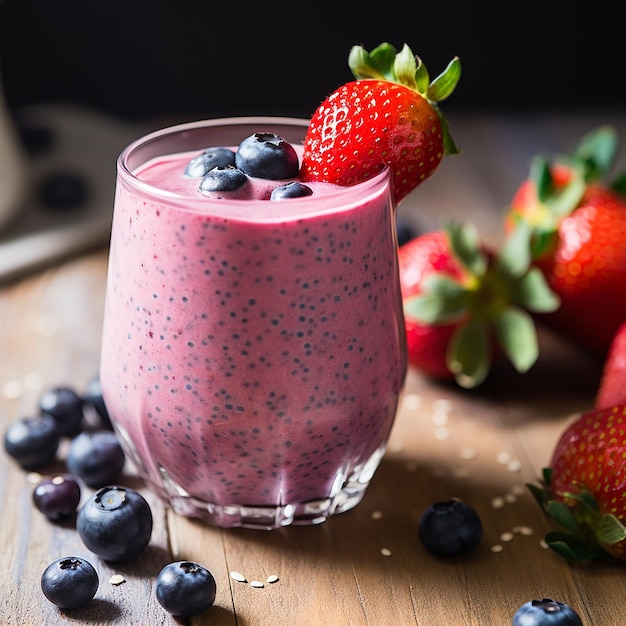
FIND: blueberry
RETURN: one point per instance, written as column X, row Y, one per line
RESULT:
column 546, row 612
column 66, row 406
column 450, row 528
column 93, row 397
column 70, row 582
column 57, row 497
column 32, row 441
column 223, row 179
column 210, row 158
column 96, row 457
column 266, row 155
column 293, row 189
column 115, row 523
column 184, row 588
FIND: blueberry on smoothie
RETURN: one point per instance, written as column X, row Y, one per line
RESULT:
column 96, row 457
column 293, row 189
column 207, row 160
column 267, row 155
column 184, row 588
column 70, row 582
column 115, row 523
column 32, row 441
column 227, row 178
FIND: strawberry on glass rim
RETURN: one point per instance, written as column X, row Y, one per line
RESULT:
column 389, row 116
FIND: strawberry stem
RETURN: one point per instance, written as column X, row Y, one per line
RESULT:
column 491, row 303
column 405, row 68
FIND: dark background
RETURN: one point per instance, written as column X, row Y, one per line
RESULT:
column 189, row 59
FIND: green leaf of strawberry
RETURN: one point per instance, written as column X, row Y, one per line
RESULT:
column 584, row 490
column 578, row 223
column 389, row 117
column 478, row 299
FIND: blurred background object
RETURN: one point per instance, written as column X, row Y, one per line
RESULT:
column 80, row 81
column 195, row 58
column 12, row 165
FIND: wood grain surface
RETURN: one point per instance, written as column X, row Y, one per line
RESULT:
column 366, row 566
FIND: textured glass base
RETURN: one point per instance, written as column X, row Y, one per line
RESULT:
column 267, row 518
column 347, row 491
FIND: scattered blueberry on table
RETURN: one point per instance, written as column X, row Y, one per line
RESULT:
column 184, row 588
column 96, row 457
column 450, row 528
column 546, row 612
column 70, row 582
column 93, row 397
column 115, row 523
column 57, row 497
column 66, row 406
column 32, row 441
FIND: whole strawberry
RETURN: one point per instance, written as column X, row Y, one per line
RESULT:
column 388, row 116
column 579, row 237
column 584, row 488
column 612, row 389
column 463, row 304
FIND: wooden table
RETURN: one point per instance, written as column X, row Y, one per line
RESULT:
column 366, row 566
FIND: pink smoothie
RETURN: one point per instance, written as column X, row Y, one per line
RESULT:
column 253, row 351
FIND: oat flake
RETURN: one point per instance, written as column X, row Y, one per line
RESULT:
column 238, row 577
column 497, row 548
column 442, row 433
column 468, row 454
column 412, row 401
column 117, row 579
column 442, row 406
column 256, row 583
column 503, row 458
column 460, row 472
column 385, row 551
column 12, row 389
column 272, row 579
column 514, row 465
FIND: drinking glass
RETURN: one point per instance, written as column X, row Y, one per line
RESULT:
column 253, row 351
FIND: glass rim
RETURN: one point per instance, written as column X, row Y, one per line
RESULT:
column 184, row 130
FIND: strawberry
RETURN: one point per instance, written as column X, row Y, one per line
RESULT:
column 612, row 390
column 584, row 488
column 388, row 116
column 579, row 237
column 464, row 303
